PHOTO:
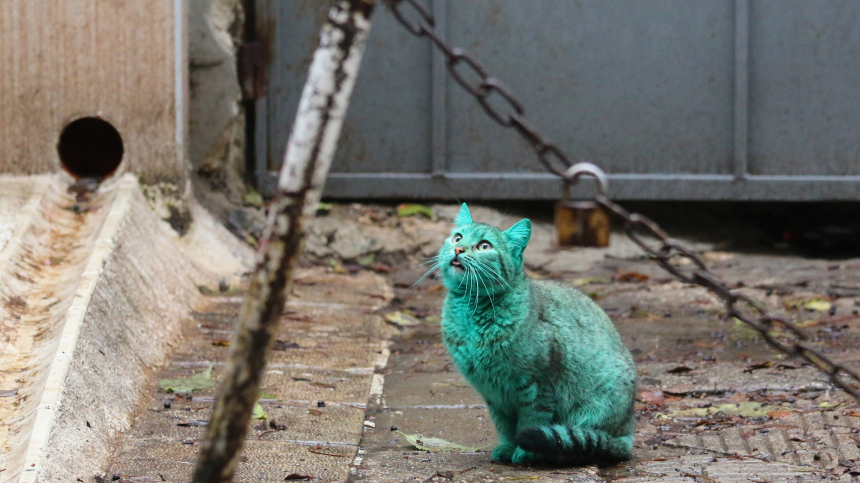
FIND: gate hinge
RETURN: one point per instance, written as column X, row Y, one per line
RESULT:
column 251, row 65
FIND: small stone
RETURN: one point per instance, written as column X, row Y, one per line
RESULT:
column 394, row 428
column 370, row 424
column 320, row 404
column 166, row 404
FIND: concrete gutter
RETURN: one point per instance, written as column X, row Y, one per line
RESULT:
column 92, row 297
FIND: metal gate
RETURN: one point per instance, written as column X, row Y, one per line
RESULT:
column 676, row 100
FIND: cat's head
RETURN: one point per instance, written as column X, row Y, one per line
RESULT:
column 480, row 255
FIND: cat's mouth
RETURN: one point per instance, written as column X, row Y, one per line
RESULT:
column 456, row 264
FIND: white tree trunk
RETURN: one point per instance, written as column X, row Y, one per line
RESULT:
column 309, row 154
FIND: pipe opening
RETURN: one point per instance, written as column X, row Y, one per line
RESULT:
column 90, row 147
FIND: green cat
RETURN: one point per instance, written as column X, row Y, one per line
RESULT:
column 558, row 382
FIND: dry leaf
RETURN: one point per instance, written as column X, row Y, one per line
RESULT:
column 779, row 414
column 632, row 277
column 655, row 398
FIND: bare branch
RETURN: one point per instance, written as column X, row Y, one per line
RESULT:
column 310, row 150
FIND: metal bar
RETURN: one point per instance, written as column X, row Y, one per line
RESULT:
column 263, row 23
column 544, row 186
column 309, row 154
column 439, row 95
column 741, row 133
column 261, row 145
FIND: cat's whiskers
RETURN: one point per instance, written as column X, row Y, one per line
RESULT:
column 430, row 260
column 471, row 263
column 428, row 272
column 493, row 273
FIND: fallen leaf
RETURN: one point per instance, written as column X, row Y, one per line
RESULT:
column 644, row 314
column 195, row 423
column 298, row 477
column 412, row 209
column 652, row 397
column 258, row 412
column 210, row 292
column 315, row 412
column 679, row 389
column 324, row 207
column 818, row 304
column 706, row 345
column 266, row 395
column 579, row 282
column 739, row 397
column 202, row 380
column 757, row 365
column 401, row 319
column 253, row 198
column 381, row 267
column 779, row 414
column 828, row 405
column 8, row 392
column 436, row 444
column 632, row 277
column 809, row 323
column 221, row 342
column 337, row 267
column 745, row 409
column 367, row 260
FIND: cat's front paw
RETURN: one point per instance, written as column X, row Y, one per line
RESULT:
column 503, row 452
column 522, row 456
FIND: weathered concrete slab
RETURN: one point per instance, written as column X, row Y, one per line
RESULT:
column 341, row 339
column 83, row 324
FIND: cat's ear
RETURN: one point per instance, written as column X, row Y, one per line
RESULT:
column 463, row 217
column 520, row 233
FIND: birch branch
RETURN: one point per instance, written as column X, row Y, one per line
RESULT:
column 309, row 153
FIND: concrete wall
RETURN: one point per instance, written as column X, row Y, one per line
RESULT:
column 216, row 144
column 121, row 61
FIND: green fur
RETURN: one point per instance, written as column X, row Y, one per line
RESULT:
column 558, row 382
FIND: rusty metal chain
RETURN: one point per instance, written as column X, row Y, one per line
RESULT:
column 666, row 251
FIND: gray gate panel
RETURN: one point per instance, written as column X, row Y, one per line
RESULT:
column 677, row 99
column 637, row 87
column 387, row 128
column 805, row 87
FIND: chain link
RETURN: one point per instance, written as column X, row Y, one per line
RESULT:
column 667, row 252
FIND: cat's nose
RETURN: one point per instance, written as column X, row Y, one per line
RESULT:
column 458, row 250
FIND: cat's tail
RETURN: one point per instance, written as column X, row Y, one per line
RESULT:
column 573, row 445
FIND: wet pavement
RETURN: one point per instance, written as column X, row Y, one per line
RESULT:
column 715, row 403
column 330, row 343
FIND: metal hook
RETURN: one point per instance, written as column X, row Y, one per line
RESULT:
column 574, row 172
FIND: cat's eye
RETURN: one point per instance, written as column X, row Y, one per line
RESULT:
column 457, row 238
column 484, row 245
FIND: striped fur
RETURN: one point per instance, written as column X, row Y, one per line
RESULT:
column 557, row 380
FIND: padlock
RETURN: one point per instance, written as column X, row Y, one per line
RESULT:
column 583, row 222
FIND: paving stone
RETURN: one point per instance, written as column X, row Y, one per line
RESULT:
column 307, row 423
column 147, row 460
column 334, row 320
